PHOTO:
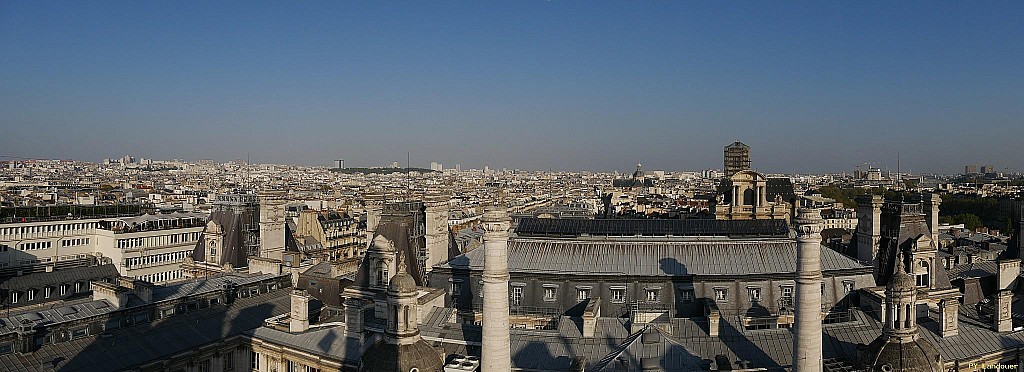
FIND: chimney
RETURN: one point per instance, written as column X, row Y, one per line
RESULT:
column 714, row 317
column 300, row 312
column 1009, row 270
column 25, row 340
column 1003, row 319
column 948, row 310
column 227, row 295
column 115, row 295
column 590, row 315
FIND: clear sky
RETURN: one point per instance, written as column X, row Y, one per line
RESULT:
column 568, row 85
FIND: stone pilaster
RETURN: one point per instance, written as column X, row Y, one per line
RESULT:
column 807, row 341
column 1003, row 316
column 299, row 321
column 495, row 353
column 948, row 321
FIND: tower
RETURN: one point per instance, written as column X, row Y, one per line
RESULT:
column 436, row 224
column 271, row 226
column 869, row 227
column 900, row 347
column 402, row 348
column 495, row 353
column 807, row 339
column 737, row 158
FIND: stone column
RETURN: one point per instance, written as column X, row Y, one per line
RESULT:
column 495, row 353
column 807, row 341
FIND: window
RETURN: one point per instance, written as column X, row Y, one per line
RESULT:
column 652, row 294
column 32, row 294
column 517, row 295
column 550, row 293
column 787, row 292
column 721, row 295
column 456, row 287
column 47, row 291
column 921, row 276
column 255, row 360
column 847, row 286
column 686, row 295
column 382, row 274
column 14, row 297
column 618, row 294
column 78, row 287
column 63, row 289
column 582, row 293
column 754, row 294
column 229, row 361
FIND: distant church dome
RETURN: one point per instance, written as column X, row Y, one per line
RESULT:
column 638, row 174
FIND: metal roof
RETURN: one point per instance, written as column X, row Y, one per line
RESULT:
column 670, row 258
column 635, row 227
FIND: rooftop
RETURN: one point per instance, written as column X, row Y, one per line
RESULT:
column 642, row 227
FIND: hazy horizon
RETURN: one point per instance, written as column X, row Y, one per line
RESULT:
column 560, row 85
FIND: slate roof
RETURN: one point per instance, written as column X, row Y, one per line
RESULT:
column 645, row 258
column 205, row 285
column 328, row 341
column 628, row 227
column 58, row 277
column 685, row 345
column 130, row 347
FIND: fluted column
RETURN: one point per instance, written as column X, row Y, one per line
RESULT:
column 807, row 340
column 495, row 353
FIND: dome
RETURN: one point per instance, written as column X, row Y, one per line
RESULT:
column 914, row 356
column 402, row 283
column 638, row 173
column 901, row 281
column 386, row 357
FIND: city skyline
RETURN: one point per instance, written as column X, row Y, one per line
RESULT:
column 532, row 85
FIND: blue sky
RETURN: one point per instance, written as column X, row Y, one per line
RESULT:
column 566, row 85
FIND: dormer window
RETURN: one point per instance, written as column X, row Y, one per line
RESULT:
column 382, row 274
column 922, row 274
